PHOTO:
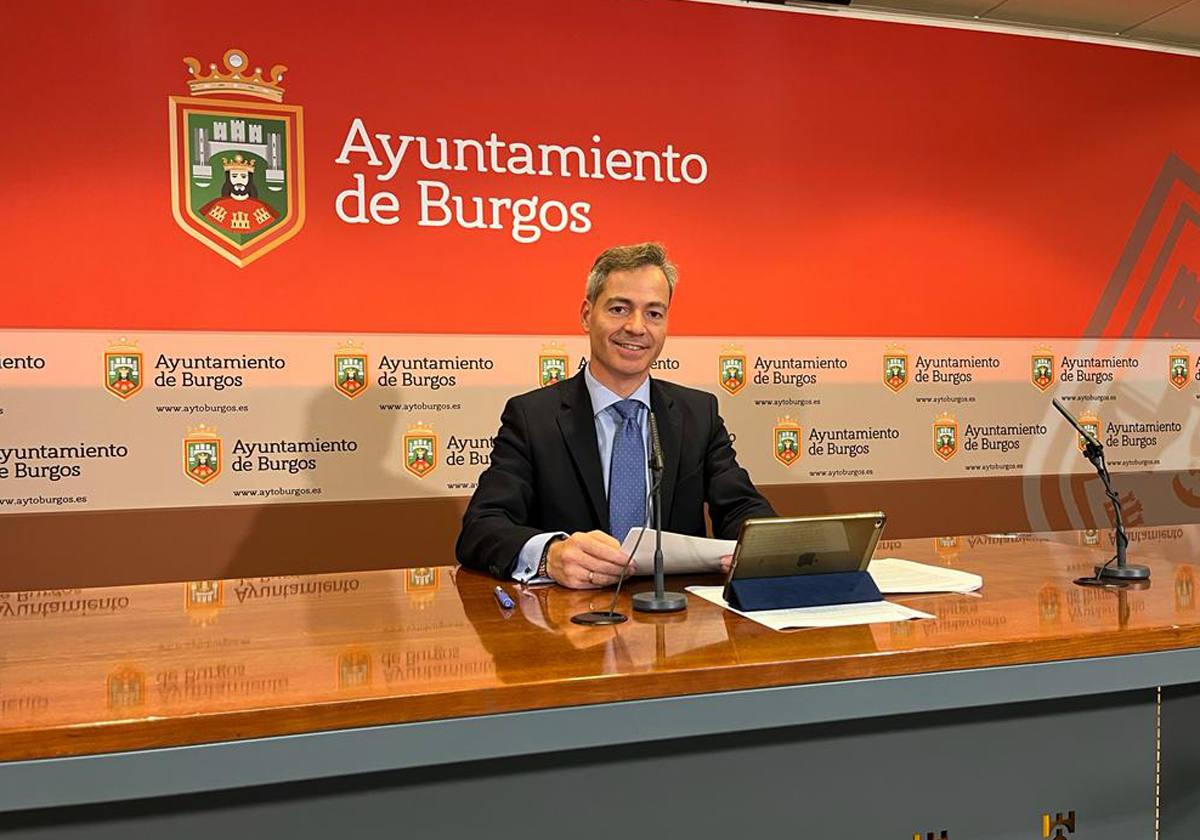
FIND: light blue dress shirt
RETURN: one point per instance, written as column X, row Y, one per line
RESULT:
column 530, row 556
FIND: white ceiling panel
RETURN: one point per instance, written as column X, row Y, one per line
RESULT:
column 957, row 8
column 1169, row 25
column 1108, row 16
column 1179, row 26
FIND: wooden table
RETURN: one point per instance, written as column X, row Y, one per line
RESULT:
column 116, row 675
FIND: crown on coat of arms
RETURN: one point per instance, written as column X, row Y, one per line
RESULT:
column 238, row 79
column 787, row 421
column 237, row 164
column 122, row 345
column 202, row 431
column 945, row 419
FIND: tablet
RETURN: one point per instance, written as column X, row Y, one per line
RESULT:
column 806, row 545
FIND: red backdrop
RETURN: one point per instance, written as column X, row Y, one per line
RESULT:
column 865, row 178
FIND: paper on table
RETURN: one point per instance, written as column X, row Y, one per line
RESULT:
column 681, row 554
column 838, row 615
column 894, row 576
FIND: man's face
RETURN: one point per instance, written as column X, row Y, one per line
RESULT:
column 240, row 180
column 627, row 324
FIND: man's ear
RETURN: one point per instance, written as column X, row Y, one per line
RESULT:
column 585, row 315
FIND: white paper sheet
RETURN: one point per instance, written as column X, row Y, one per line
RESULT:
column 840, row 615
column 894, row 576
column 681, row 554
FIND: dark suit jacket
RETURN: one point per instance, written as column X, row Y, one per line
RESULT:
column 545, row 473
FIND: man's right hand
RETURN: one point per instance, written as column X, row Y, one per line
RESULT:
column 587, row 561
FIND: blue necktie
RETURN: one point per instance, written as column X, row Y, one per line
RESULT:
column 627, row 472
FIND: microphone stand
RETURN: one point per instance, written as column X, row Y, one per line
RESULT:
column 1106, row 574
column 658, row 601
column 1094, row 452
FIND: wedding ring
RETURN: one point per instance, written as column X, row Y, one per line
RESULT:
column 591, row 579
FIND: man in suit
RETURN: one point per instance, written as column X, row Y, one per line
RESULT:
column 568, row 475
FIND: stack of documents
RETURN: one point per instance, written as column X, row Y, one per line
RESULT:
column 893, row 576
column 904, row 577
column 838, row 615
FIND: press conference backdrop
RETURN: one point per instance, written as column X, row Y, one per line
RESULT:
column 896, row 244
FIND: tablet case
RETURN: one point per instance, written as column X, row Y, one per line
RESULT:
column 792, row 591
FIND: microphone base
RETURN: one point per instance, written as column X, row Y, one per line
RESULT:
column 599, row 618
column 1131, row 571
column 666, row 603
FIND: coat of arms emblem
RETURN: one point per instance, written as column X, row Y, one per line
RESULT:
column 552, row 365
column 732, row 370
column 946, row 548
column 354, row 668
column 945, row 436
column 895, row 368
column 202, row 454
column 1041, row 368
column 1178, row 366
column 1185, row 588
column 787, row 441
column 203, row 599
column 1094, row 427
column 350, row 365
column 237, row 164
column 420, row 450
column 122, row 369
column 125, row 687
column 421, row 579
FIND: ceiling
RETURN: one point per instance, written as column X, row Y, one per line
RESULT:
column 1174, row 23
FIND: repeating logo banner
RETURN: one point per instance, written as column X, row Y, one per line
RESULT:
column 258, row 418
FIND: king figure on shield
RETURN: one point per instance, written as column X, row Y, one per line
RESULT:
column 239, row 210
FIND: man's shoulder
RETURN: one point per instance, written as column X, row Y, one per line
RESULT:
column 544, row 398
column 684, row 394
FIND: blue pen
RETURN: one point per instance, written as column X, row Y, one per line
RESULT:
column 502, row 597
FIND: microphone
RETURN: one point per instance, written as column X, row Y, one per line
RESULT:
column 658, row 601
column 656, row 450
column 1106, row 574
column 595, row 618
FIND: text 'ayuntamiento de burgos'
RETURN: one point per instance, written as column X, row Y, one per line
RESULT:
column 525, row 217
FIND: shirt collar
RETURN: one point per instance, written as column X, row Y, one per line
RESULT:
column 602, row 397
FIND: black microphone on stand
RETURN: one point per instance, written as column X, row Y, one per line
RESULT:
column 1106, row 574
column 611, row 616
column 658, row 601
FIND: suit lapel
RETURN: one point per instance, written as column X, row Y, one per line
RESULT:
column 670, row 432
column 578, row 426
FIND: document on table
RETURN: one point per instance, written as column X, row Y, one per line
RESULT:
column 838, row 615
column 681, row 554
column 894, row 576
column 696, row 555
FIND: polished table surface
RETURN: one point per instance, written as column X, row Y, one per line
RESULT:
column 103, row 670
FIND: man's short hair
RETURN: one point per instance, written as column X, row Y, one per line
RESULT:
column 628, row 258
